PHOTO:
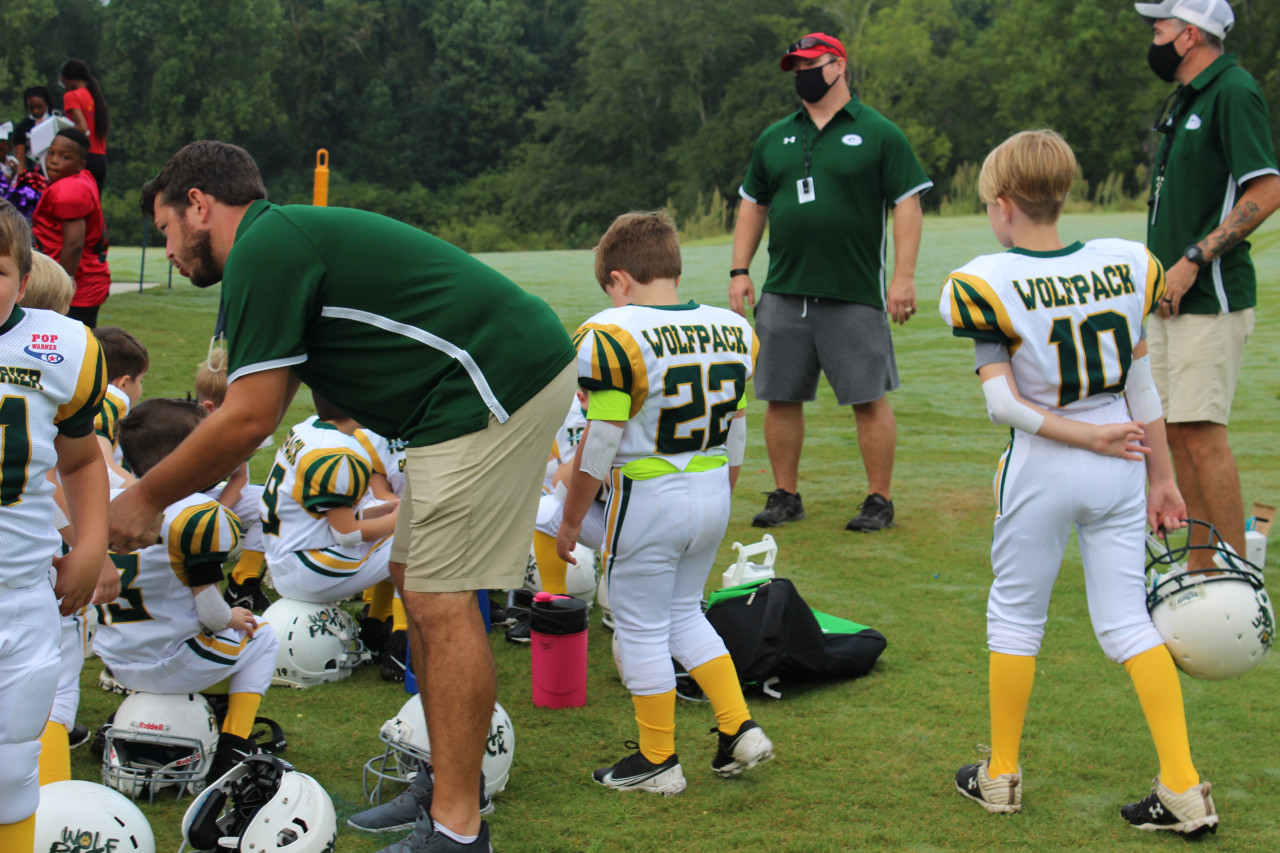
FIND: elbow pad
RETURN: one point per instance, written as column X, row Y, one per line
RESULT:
column 1006, row 409
column 599, row 448
column 214, row 612
column 737, row 442
column 1140, row 391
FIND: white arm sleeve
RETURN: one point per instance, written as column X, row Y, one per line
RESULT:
column 1140, row 391
column 214, row 612
column 1004, row 408
column 737, row 443
column 599, row 447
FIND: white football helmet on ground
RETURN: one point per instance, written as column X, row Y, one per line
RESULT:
column 85, row 816
column 158, row 741
column 580, row 581
column 317, row 642
column 407, row 742
column 260, row 805
column 1218, row 623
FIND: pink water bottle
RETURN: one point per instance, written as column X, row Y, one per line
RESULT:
column 558, row 629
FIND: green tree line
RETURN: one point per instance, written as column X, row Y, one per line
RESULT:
column 531, row 123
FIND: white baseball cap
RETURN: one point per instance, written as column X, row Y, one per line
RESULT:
column 1212, row 16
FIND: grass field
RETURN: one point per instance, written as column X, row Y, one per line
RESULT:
column 865, row 764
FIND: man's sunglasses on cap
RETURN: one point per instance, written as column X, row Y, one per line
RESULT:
column 810, row 42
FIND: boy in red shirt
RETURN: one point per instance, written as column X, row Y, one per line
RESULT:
column 68, row 225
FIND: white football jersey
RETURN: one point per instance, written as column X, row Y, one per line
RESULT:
column 1070, row 318
column 52, row 378
column 318, row 468
column 156, row 610
column 685, row 368
column 115, row 405
column 387, row 456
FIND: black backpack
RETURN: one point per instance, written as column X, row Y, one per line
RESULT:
column 771, row 633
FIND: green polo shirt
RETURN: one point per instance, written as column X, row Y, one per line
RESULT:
column 1221, row 138
column 410, row 336
column 832, row 247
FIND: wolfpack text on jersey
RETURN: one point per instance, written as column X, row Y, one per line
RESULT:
column 1070, row 318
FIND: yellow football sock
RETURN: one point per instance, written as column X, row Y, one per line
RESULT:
column 656, row 716
column 242, row 708
column 551, row 568
column 55, row 755
column 249, row 566
column 1155, row 677
column 379, row 597
column 399, row 618
column 18, row 836
column 1009, row 684
column 719, row 680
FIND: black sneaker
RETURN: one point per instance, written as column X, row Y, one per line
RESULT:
column 78, row 736
column 637, row 773
column 98, row 745
column 875, row 513
column 425, row 839
column 521, row 631
column 781, row 507
column 735, row 753
column 248, row 595
column 231, row 751
column 402, row 811
column 374, row 633
column 1190, row 813
column 392, row 662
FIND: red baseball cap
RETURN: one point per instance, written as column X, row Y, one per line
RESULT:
column 813, row 45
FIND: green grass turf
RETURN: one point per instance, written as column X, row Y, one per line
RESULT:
column 865, row 764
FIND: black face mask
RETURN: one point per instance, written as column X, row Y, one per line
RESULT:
column 810, row 84
column 1164, row 60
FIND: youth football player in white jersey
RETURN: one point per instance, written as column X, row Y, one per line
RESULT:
column 170, row 631
column 384, row 628
column 244, row 587
column 1062, row 358
column 127, row 364
column 53, row 379
column 318, row 547
column 665, row 436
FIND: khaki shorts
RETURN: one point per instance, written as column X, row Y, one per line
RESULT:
column 470, row 503
column 1195, row 359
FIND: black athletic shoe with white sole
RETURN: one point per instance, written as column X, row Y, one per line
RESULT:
column 735, row 753
column 637, row 773
column 1190, row 813
column 78, row 736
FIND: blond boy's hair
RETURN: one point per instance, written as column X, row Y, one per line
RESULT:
column 1034, row 170
column 211, row 378
column 49, row 286
column 643, row 245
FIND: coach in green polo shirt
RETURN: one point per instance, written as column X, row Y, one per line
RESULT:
column 414, row 339
column 824, row 179
column 1215, row 180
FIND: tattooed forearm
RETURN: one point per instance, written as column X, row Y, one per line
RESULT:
column 1244, row 217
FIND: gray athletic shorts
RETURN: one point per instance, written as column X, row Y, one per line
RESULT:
column 801, row 335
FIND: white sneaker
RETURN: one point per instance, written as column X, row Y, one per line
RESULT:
column 749, row 747
column 1001, row 795
column 1190, row 813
